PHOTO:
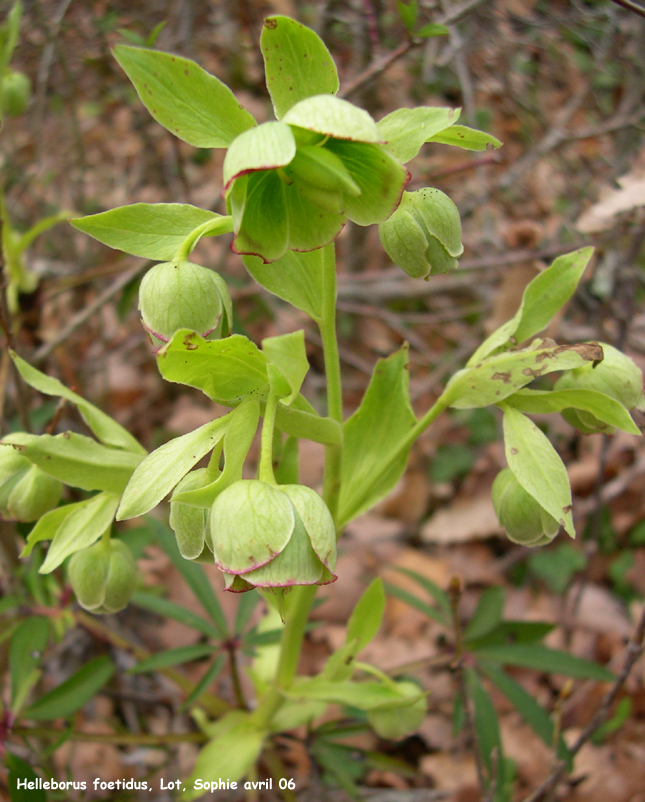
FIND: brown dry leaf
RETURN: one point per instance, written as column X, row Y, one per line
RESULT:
column 409, row 500
column 465, row 519
column 602, row 215
column 453, row 773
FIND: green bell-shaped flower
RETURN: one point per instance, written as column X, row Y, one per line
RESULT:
column 423, row 236
column 26, row 492
column 103, row 576
column 616, row 376
column 272, row 536
column 183, row 295
column 397, row 721
column 191, row 525
column 525, row 520
column 292, row 184
column 15, row 92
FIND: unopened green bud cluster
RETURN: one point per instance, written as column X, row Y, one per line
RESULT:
column 26, row 492
column 103, row 576
column 15, row 92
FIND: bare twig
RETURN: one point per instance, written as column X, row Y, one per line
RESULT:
column 77, row 321
column 633, row 652
column 631, row 6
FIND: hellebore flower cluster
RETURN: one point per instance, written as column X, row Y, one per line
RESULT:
column 292, row 184
column 272, row 536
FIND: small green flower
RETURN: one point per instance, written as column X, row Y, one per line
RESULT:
column 272, row 536
column 183, row 295
column 191, row 525
column 103, row 576
column 525, row 520
column 423, row 236
column 292, row 184
column 616, row 376
column 26, row 492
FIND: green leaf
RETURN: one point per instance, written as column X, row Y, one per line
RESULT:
column 173, row 657
column 9, row 33
column 538, row 467
column 204, row 683
column 431, row 29
column 75, row 692
column 497, row 377
column 184, row 98
column 432, row 589
column 486, row 727
column 150, row 230
column 247, row 602
column 79, row 529
column 19, row 769
column 408, row 12
column 362, row 695
column 466, row 138
column 296, row 278
column 557, row 566
column 601, row 406
column 28, row 642
column 418, row 604
column 264, row 147
column 365, row 620
column 379, row 176
column 231, row 754
column 160, row 471
column 541, row 299
column 331, row 116
column 106, row 429
column 487, row 615
column 533, row 714
column 195, row 578
column 168, row 609
column 77, row 460
column 540, row 658
column 225, row 370
column 308, row 426
column 371, row 436
column 48, row 525
column 287, row 364
column 296, row 62
column 406, row 130
column 508, row 632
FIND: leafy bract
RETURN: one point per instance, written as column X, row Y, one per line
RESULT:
column 538, row 467
column 264, row 147
column 287, row 364
column 365, row 620
column 297, row 63
column 467, row 138
column 104, row 427
column 600, row 405
column 363, row 695
column 164, row 468
column 259, row 209
column 541, row 299
column 406, row 130
column 225, row 370
column 150, row 230
column 192, row 104
column 77, row 460
column 71, row 695
column 499, row 376
column 372, row 435
column 80, row 527
column 331, row 116
column 296, row 278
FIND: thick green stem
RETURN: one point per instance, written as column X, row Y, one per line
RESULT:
column 333, row 454
column 265, row 472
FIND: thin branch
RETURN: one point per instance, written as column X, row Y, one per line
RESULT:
column 633, row 652
column 631, row 6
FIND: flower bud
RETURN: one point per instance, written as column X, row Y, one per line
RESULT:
column 191, row 525
column 616, row 376
column 423, row 235
column 103, row 576
column 15, row 92
column 26, row 492
column 181, row 295
column 398, row 721
column 525, row 521
column 272, row 536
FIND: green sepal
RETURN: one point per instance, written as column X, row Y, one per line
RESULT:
column 264, row 147
column 331, row 116
column 406, row 130
column 287, row 364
